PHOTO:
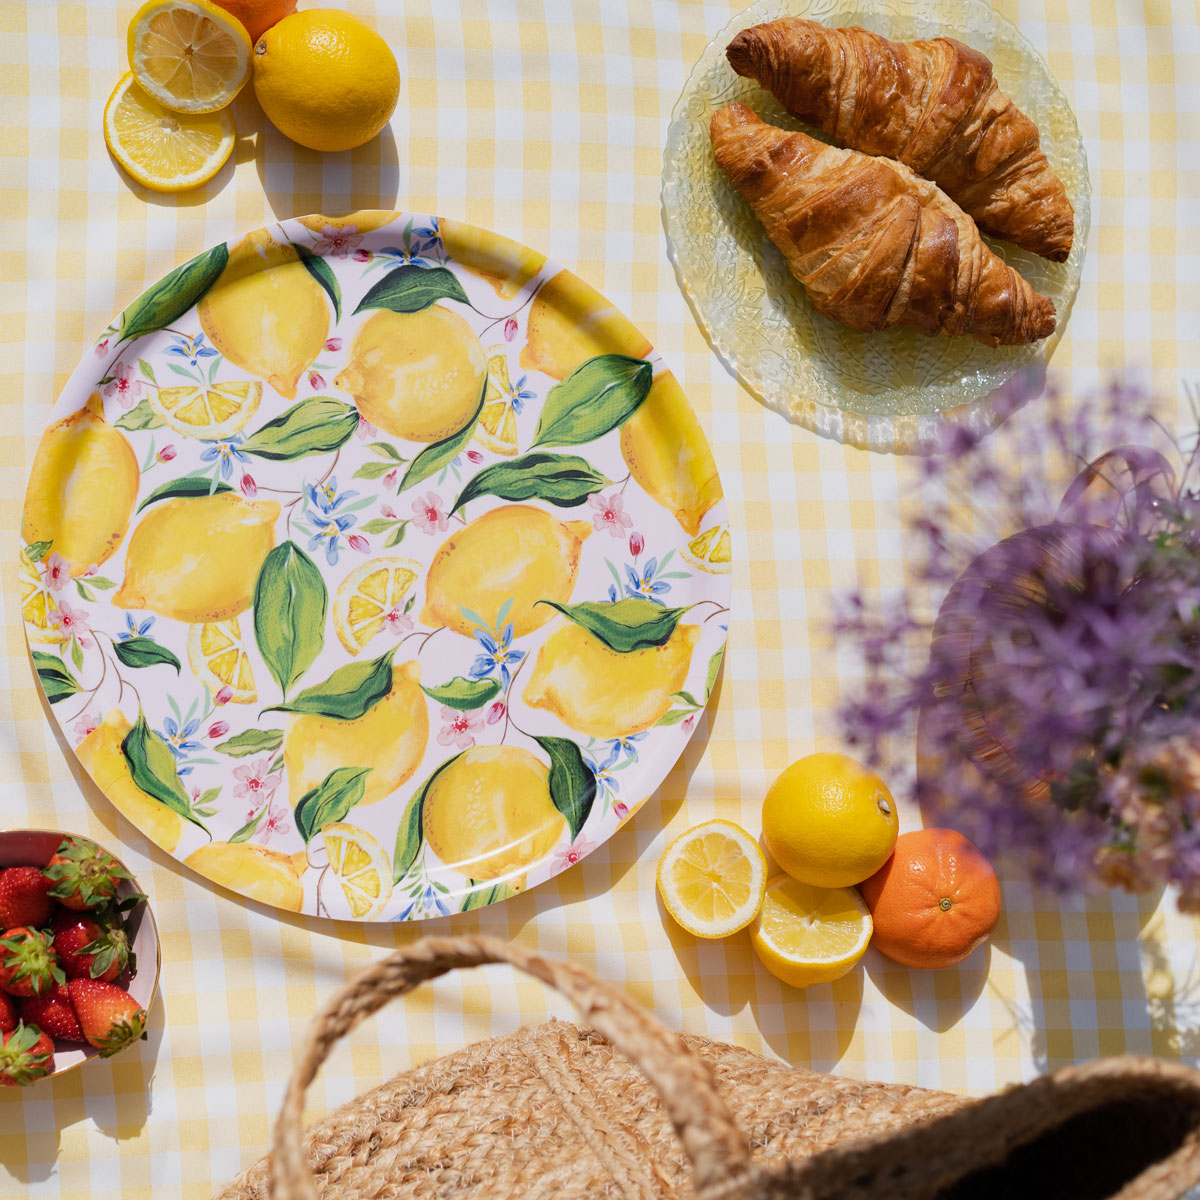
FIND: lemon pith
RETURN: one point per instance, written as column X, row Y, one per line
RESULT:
column 712, row 879
column 361, row 866
column 217, row 655
column 211, row 413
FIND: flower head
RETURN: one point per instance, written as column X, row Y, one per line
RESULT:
column 191, row 347
column 135, row 629
column 124, row 386
column 58, row 571
column 459, row 728
column 568, row 856
column 328, row 530
column 84, row 725
column 498, row 655
column 248, row 486
column 610, row 515
column 643, row 584
column 333, row 345
column 73, row 622
column 180, row 738
column 510, row 329
column 337, row 242
column 225, row 454
column 429, row 513
column 167, row 453
column 254, row 782
column 325, row 496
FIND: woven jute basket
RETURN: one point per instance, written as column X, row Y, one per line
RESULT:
column 630, row 1111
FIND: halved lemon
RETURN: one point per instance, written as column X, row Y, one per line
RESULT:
column 164, row 151
column 189, row 55
column 209, row 413
column 368, row 596
column 497, row 428
column 37, row 603
column 362, row 866
column 806, row 935
column 712, row 879
column 710, row 550
column 218, row 658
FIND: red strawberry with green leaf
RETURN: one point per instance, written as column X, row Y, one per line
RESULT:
column 28, row 964
column 83, row 875
column 53, row 1014
column 8, row 1013
column 89, row 950
column 24, row 898
column 108, row 1015
column 26, row 1054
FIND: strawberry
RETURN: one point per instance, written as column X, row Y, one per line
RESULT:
column 88, row 950
column 28, row 964
column 26, row 1054
column 83, row 875
column 8, row 1013
column 23, row 898
column 108, row 1016
column 52, row 1013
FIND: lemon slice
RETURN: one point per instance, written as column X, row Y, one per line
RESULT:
column 162, row 150
column 218, row 658
column 189, row 55
column 712, row 879
column 497, row 428
column 362, row 866
column 210, row 413
column 368, row 596
column 806, row 935
column 710, row 550
column 37, row 603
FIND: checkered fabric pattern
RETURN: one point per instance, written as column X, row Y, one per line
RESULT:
column 545, row 120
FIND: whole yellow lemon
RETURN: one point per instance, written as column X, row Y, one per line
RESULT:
column 197, row 558
column 389, row 738
column 517, row 553
column 602, row 692
column 829, row 822
column 418, row 376
column 82, row 488
column 363, row 220
column 100, row 753
column 325, row 79
column 489, row 813
column 255, row 871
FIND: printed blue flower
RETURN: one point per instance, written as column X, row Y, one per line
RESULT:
column 191, row 348
column 134, row 628
column 518, row 393
column 626, row 745
column 225, row 453
column 606, row 781
column 411, row 257
column 498, row 655
column 643, row 585
column 328, row 529
column 179, row 738
column 325, row 495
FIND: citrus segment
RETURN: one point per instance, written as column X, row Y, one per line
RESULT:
column 362, row 866
column 37, row 603
column 710, row 551
column 712, row 879
column 209, row 413
column 806, row 935
column 371, row 596
column 497, row 428
column 217, row 656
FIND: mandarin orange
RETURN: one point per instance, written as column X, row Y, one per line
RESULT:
column 258, row 15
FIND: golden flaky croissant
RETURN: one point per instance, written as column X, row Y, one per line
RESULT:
column 873, row 243
column 933, row 105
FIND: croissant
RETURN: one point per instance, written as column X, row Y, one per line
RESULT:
column 933, row 105
column 872, row 243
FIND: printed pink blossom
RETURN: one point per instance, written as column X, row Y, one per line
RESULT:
column 218, row 729
column 621, row 809
column 388, row 511
column 124, row 385
column 338, row 242
column 474, row 456
column 276, row 822
column 397, row 622
column 495, row 712
column 73, row 622
column 687, row 723
column 429, row 514
column 611, row 516
column 102, row 347
column 58, row 571
column 316, row 379
column 359, row 543
column 224, row 695
column 510, row 329
column 362, row 256
column 92, row 569
column 392, row 479
column 167, row 453
column 253, row 781
column 333, row 345
column 459, row 728
column 637, row 543
column 365, row 430
column 85, row 725
column 249, row 487
column 568, row 856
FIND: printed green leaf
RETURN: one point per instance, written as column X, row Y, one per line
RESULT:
column 140, row 416
column 395, row 540
column 410, row 836
column 409, row 289
column 714, row 667
column 147, row 370
column 373, row 470
column 561, row 479
column 36, row 551
column 76, row 653
column 244, row 834
column 153, row 768
column 675, row 716
column 378, row 525
column 330, row 800
column 56, row 679
column 314, row 426
column 433, row 458
column 464, row 694
column 388, row 451
column 251, row 741
column 322, row 272
column 167, row 300
column 572, row 783
column 596, row 397
column 290, row 599
column 188, row 485
column 347, row 693
column 623, row 625
column 145, row 652
column 483, row 894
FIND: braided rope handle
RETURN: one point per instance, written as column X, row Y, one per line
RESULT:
column 715, row 1146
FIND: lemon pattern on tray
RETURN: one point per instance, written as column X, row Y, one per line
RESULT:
column 351, row 614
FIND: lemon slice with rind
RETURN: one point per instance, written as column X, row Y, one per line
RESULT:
column 37, row 603
column 210, row 413
column 163, row 150
column 189, row 55
column 218, row 657
column 362, row 866
column 711, row 551
column 806, row 935
column 712, row 879
column 497, row 427
column 368, row 597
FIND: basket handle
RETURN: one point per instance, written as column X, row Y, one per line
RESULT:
column 717, row 1149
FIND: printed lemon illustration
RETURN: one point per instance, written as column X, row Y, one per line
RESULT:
column 516, row 553
column 667, row 453
column 417, row 376
column 255, row 871
column 389, row 738
column 196, row 558
column 210, row 413
column 266, row 313
column 506, row 265
column 570, row 322
column 497, row 428
column 37, row 603
column 602, row 692
column 711, row 550
column 82, row 488
column 370, row 597
column 489, row 815
column 100, row 753
column 362, row 867
column 218, row 658
column 364, row 220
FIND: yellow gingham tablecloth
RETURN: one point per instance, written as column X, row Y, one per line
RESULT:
column 545, row 120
